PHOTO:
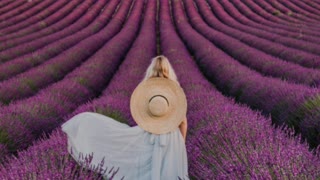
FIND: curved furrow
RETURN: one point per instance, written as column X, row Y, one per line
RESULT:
column 302, row 11
column 317, row 2
column 76, row 20
column 30, row 82
column 11, row 25
column 116, row 97
column 53, row 162
column 286, row 13
column 23, row 63
column 290, row 42
column 257, row 19
column 284, row 101
column 238, row 19
column 4, row 3
column 17, row 5
column 312, row 6
column 275, row 49
column 309, row 7
column 251, row 57
column 228, row 140
column 28, row 17
column 61, row 13
column 142, row 50
column 274, row 21
column 35, row 45
column 43, row 112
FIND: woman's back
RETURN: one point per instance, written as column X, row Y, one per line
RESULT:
column 155, row 148
column 138, row 153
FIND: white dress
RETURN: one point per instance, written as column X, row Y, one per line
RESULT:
column 138, row 154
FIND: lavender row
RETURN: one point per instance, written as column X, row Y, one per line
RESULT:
column 9, row 6
column 315, row 2
column 314, row 7
column 278, row 50
column 308, row 6
column 15, row 31
column 34, row 44
column 238, row 10
column 49, row 159
column 251, row 57
column 260, row 15
column 290, row 42
column 30, row 43
column 43, row 112
column 60, row 26
column 275, row 11
column 303, row 15
column 243, row 20
column 31, row 81
column 5, row 3
column 20, row 64
column 282, row 100
column 299, row 16
column 16, row 9
column 117, row 95
column 300, row 8
column 226, row 140
column 283, row 10
column 275, row 18
column 118, row 92
column 29, row 16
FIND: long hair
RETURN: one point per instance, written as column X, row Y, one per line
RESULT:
column 161, row 67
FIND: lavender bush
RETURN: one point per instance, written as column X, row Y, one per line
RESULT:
column 4, row 3
column 16, row 9
column 31, row 13
column 301, row 10
column 312, row 6
column 58, row 26
column 275, row 49
column 30, row 82
column 9, row 6
column 22, row 63
column 251, row 57
column 13, row 39
column 43, row 112
column 115, row 99
column 274, row 18
column 290, row 42
column 227, row 140
column 143, row 49
column 21, row 29
column 260, row 15
column 281, row 99
column 49, row 159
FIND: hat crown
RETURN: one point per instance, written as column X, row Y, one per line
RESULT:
column 158, row 105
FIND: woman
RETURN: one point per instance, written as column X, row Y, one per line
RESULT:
column 155, row 148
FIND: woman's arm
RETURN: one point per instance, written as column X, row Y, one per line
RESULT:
column 183, row 128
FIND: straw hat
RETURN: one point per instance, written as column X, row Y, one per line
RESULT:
column 158, row 105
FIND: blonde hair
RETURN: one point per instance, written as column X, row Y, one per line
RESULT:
column 160, row 67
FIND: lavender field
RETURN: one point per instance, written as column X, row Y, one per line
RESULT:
column 250, row 70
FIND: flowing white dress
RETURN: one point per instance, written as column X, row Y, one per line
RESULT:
column 138, row 154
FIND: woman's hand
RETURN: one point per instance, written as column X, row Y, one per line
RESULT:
column 183, row 128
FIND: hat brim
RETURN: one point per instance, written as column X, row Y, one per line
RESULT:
column 177, row 105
